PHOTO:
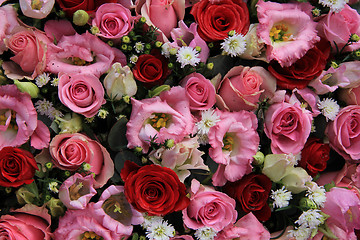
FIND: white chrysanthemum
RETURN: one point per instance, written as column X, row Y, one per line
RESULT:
column 53, row 187
column 134, row 59
column 55, row 82
column 329, row 108
column 139, row 47
column 43, row 107
column 42, row 79
column 334, row 5
column 209, row 118
column 311, row 218
column 301, row 233
column 149, row 220
column 234, row 45
column 187, row 56
column 281, row 197
column 160, row 230
column 293, row 159
column 205, row 233
column 317, row 194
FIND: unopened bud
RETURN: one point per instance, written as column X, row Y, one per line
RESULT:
column 258, row 158
column 80, row 18
column 169, row 143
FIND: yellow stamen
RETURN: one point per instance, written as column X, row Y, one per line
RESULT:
column 36, row 4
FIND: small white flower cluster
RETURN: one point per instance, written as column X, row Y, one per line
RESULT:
column 317, row 194
column 187, row 56
column 308, row 223
column 208, row 119
column 234, row 45
column 45, row 107
column 53, row 186
column 157, row 228
column 281, row 197
column 205, row 233
column 139, row 47
column 329, row 108
column 293, row 159
column 334, row 5
column 42, row 79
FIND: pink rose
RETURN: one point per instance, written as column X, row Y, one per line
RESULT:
column 76, row 191
column 29, row 222
column 241, row 88
column 29, row 47
column 163, row 14
column 288, row 126
column 344, row 133
column 233, row 141
column 199, row 90
column 113, row 20
column 338, row 26
column 83, row 53
column 8, row 22
column 82, row 93
column 70, row 151
column 165, row 117
column 209, row 208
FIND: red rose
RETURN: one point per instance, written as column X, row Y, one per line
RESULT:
column 71, row 6
column 216, row 19
column 314, row 156
column 153, row 189
column 307, row 68
column 17, row 167
column 252, row 192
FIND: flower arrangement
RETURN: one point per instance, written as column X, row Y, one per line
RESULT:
column 204, row 119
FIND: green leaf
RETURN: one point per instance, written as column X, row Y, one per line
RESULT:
column 222, row 64
column 124, row 155
column 116, row 139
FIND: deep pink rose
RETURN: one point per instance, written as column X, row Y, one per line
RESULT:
column 344, row 132
column 233, row 141
column 113, row 20
column 82, row 93
column 209, row 208
column 8, row 21
column 288, row 126
column 70, row 151
column 165, row 117
column 338, row 26
column 29, row 222
column 83, row 53
column 199, row 90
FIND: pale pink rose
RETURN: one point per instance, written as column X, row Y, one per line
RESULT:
column 344, row 133
column 164, row 117
column 117, row 212
column 246, row 228
column 76, row 191
column 39, row 11
column 241, row 88
column 29, row 47
column 8, row 22
column 209, row 208
column 113, row 20
column 199, row 90
column 163, row 14
column 29, row 222
column 70, row 151
column 295, row 20
column 56, row 29
column 234, row 141
column 338, row 26
column 75, row 223
column 82, row 93
column 188, row 36
column 288, row 126
column 184, row 156
column 83, row 53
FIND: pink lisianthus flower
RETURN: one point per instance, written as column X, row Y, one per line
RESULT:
column 76, row 191
column 327, row 81
column 165, row 117
column 8, row 22
column 233, row 141
column 287, row 29
column 209, row 208
column 83, row 53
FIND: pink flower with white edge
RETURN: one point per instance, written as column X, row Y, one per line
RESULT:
column 234, row 141
column 160, row 118
column 83, row 53
column 287, row 29
column 209, row 208
column 76, row 191
column 36, row 9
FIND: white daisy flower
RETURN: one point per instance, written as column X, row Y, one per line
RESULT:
column 149, row 220
column 234, row 45
column 139, row 47
column 42, row 79
column 187, row 56
column 311, row 218
column 317, row 194
column 160, row 230
column 53, row 186
column 134, row 59
column 205, row 233
column 209, row 118
column 329, row 108
column 334, row 5
column 301, row 233
column 281, row 197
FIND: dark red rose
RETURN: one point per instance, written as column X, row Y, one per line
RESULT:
column 17, row 167
column 151, row 69
column 216, row 19
column 153, row 189
column 314, row 156
column 307, row 68
column 71, row 6
column 252, row 193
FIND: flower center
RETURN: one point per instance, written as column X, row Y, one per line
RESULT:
column 91, row 236
column 228, row 142
column 36, row 4
column 279, row 33
column 74, row 191
column 4, row 118
column 78, row 61
column 118, row 208
column 159, row 120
